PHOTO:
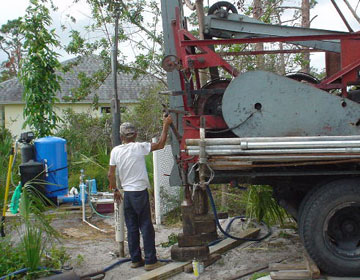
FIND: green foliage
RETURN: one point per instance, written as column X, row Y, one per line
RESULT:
column 172, row 239
column 38, row 70
column 85, row 134
column 256, row 203
column 261, row 205
column 35, row 234
column 173, row 217
column 258, row 275
column 233, row 207
column 11, row 257
column 150, row 169
column 57, row 257
column 11, row 41
column 32, row 245
column 89, row 145
column 146, row 115
column 79, row 259
column 37, row 226
column 5, row 149
column 32, row 206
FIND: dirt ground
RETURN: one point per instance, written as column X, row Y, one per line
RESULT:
column 92, row 250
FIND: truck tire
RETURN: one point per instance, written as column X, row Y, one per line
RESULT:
column 330, row 227
column 304, row 203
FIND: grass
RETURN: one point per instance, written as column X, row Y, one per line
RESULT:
column 37, row 226
column 5, row 148
column 11, row 257
column 36, row 234
column 261, row 205
column 258, row 275
column 172, row 239
column 173, row 218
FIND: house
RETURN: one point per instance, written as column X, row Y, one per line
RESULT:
column 12, row 104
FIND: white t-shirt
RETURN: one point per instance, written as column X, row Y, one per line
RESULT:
column 130, row 163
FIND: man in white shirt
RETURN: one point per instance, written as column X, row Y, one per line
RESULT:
column 129, row 161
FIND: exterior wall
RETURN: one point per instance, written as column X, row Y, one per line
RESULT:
column 14, row 114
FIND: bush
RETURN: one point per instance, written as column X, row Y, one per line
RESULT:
column 89, row 145
column 146, row 115
column 261, row 205
column 35, row 233
column 5, row 149
column 85, row 134
column 11, row 257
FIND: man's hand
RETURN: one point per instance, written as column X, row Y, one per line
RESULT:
column 167, row 120
column 117, row 196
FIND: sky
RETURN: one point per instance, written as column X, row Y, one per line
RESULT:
column 326, row 18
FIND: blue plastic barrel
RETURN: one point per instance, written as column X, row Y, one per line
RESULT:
column 52, row 151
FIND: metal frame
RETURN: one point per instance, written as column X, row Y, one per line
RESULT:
column 195, row 55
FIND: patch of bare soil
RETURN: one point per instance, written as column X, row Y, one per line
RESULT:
column 92, row 250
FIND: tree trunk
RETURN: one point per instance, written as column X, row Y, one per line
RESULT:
column 257, row 13
column 199, row 4
column 224, row 190
column 305, row 22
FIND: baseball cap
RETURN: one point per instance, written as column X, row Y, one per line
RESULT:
column 127, row 129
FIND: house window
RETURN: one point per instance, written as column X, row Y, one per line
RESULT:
column 105, row 110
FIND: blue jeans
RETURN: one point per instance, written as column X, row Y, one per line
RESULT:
column 138, row 217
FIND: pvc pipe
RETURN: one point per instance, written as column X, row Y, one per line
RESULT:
column 245, row 145
column 95, row 227
column 119, row 222
column 119, row 219
column 279, row 151
column 156, row 185
column 300, row 145
column 82, row 191
column 282, row 158
column 236, row 141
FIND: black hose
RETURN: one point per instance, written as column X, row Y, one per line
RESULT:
column 115, row 264
column 58, row 169
column 228, row 227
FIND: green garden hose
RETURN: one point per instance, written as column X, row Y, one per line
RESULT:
column 14, row 205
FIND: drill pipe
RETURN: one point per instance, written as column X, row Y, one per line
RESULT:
column 276, row 151
column 282, row 158
column 237, row 141
column 245, row 145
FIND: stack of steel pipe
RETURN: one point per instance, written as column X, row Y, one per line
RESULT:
column 269, row 149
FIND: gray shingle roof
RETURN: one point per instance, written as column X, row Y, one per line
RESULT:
column 128, row 88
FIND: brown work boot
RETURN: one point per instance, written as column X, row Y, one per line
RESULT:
column 137, row 264
column 152, row 266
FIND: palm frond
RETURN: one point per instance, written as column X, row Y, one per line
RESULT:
column 32, row 205
column 261, row 205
